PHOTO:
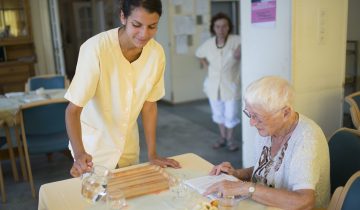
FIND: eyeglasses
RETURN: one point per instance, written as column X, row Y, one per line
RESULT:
column 258, row 119
column 252, row 116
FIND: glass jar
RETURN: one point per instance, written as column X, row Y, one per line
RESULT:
column 94, row 184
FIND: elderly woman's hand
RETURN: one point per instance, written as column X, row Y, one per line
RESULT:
column 227, row 188
column 225, row 167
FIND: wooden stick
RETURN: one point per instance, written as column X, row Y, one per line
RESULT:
column 143, row 189
column 128, row 172
column 135, row 177
column 137, row 182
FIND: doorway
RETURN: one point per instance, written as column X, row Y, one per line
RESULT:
column 80, row 20
column 229, row 7
column 352, row 70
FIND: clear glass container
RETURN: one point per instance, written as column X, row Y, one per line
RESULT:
column 94, row 184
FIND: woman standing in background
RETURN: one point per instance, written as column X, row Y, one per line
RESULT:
column 220, row 55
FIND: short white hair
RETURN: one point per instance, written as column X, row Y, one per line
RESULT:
column 270, row 93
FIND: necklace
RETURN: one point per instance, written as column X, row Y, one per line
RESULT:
column 220, row 46
column 284, row 139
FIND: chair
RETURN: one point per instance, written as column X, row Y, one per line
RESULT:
column 347, row 197
column 7, row 141
column 2, row 187
column 46, row 82
column 344, row 148
column 43, row 130
column 335, row 198
column 354, row 101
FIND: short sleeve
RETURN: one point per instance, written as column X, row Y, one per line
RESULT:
column 83, row 86
column 158, row 89
column 305, row 167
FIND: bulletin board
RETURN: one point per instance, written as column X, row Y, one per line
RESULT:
column 190, row 24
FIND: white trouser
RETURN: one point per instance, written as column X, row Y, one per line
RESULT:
column 225, row 112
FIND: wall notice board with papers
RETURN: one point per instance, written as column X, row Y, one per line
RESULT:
column 183, row 26
column 190, row 24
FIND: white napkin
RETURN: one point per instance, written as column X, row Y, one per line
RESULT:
column 33, row 98
column 14, row 94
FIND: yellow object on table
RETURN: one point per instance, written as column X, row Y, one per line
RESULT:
column 139, row 181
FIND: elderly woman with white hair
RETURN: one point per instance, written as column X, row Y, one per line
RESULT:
column 292, row 169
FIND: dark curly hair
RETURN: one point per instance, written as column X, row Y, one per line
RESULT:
column 127, row 6
column 219, row 16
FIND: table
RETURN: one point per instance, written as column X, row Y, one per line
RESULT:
column 9, row 106
column 66, row 194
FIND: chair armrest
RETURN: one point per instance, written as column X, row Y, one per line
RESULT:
column 335, row 198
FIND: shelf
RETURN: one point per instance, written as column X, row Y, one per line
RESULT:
column 12, row 8
column 16, row 46
column 14, row 63
column 15, row 41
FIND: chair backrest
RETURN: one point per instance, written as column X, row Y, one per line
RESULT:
column 43, row 125
column 47, row 82
column 2, row 139
column 354, row 101
column 350, row 196
column 344, row 148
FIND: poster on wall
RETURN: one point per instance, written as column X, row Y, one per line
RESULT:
column 263, row 13
column 184, row 25
column 182, row 44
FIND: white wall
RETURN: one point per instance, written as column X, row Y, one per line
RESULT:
column 318, row 66
column 187, row 78
column 42, row 37
column 309, row 54
column 265, row 51
column 163, row 38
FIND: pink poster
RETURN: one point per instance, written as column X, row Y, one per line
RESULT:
column 263, row 12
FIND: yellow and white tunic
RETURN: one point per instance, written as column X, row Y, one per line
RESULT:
column 112, row 91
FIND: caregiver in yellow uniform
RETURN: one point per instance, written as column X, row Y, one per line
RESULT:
column 119, row 74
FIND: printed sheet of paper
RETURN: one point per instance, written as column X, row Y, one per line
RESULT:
column 184, row 25
column 202, row 7
column 182, row 44
column 202, row 183
column 263, row 13
column 188, row 6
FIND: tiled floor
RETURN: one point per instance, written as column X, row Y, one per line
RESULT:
column 181, row 129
